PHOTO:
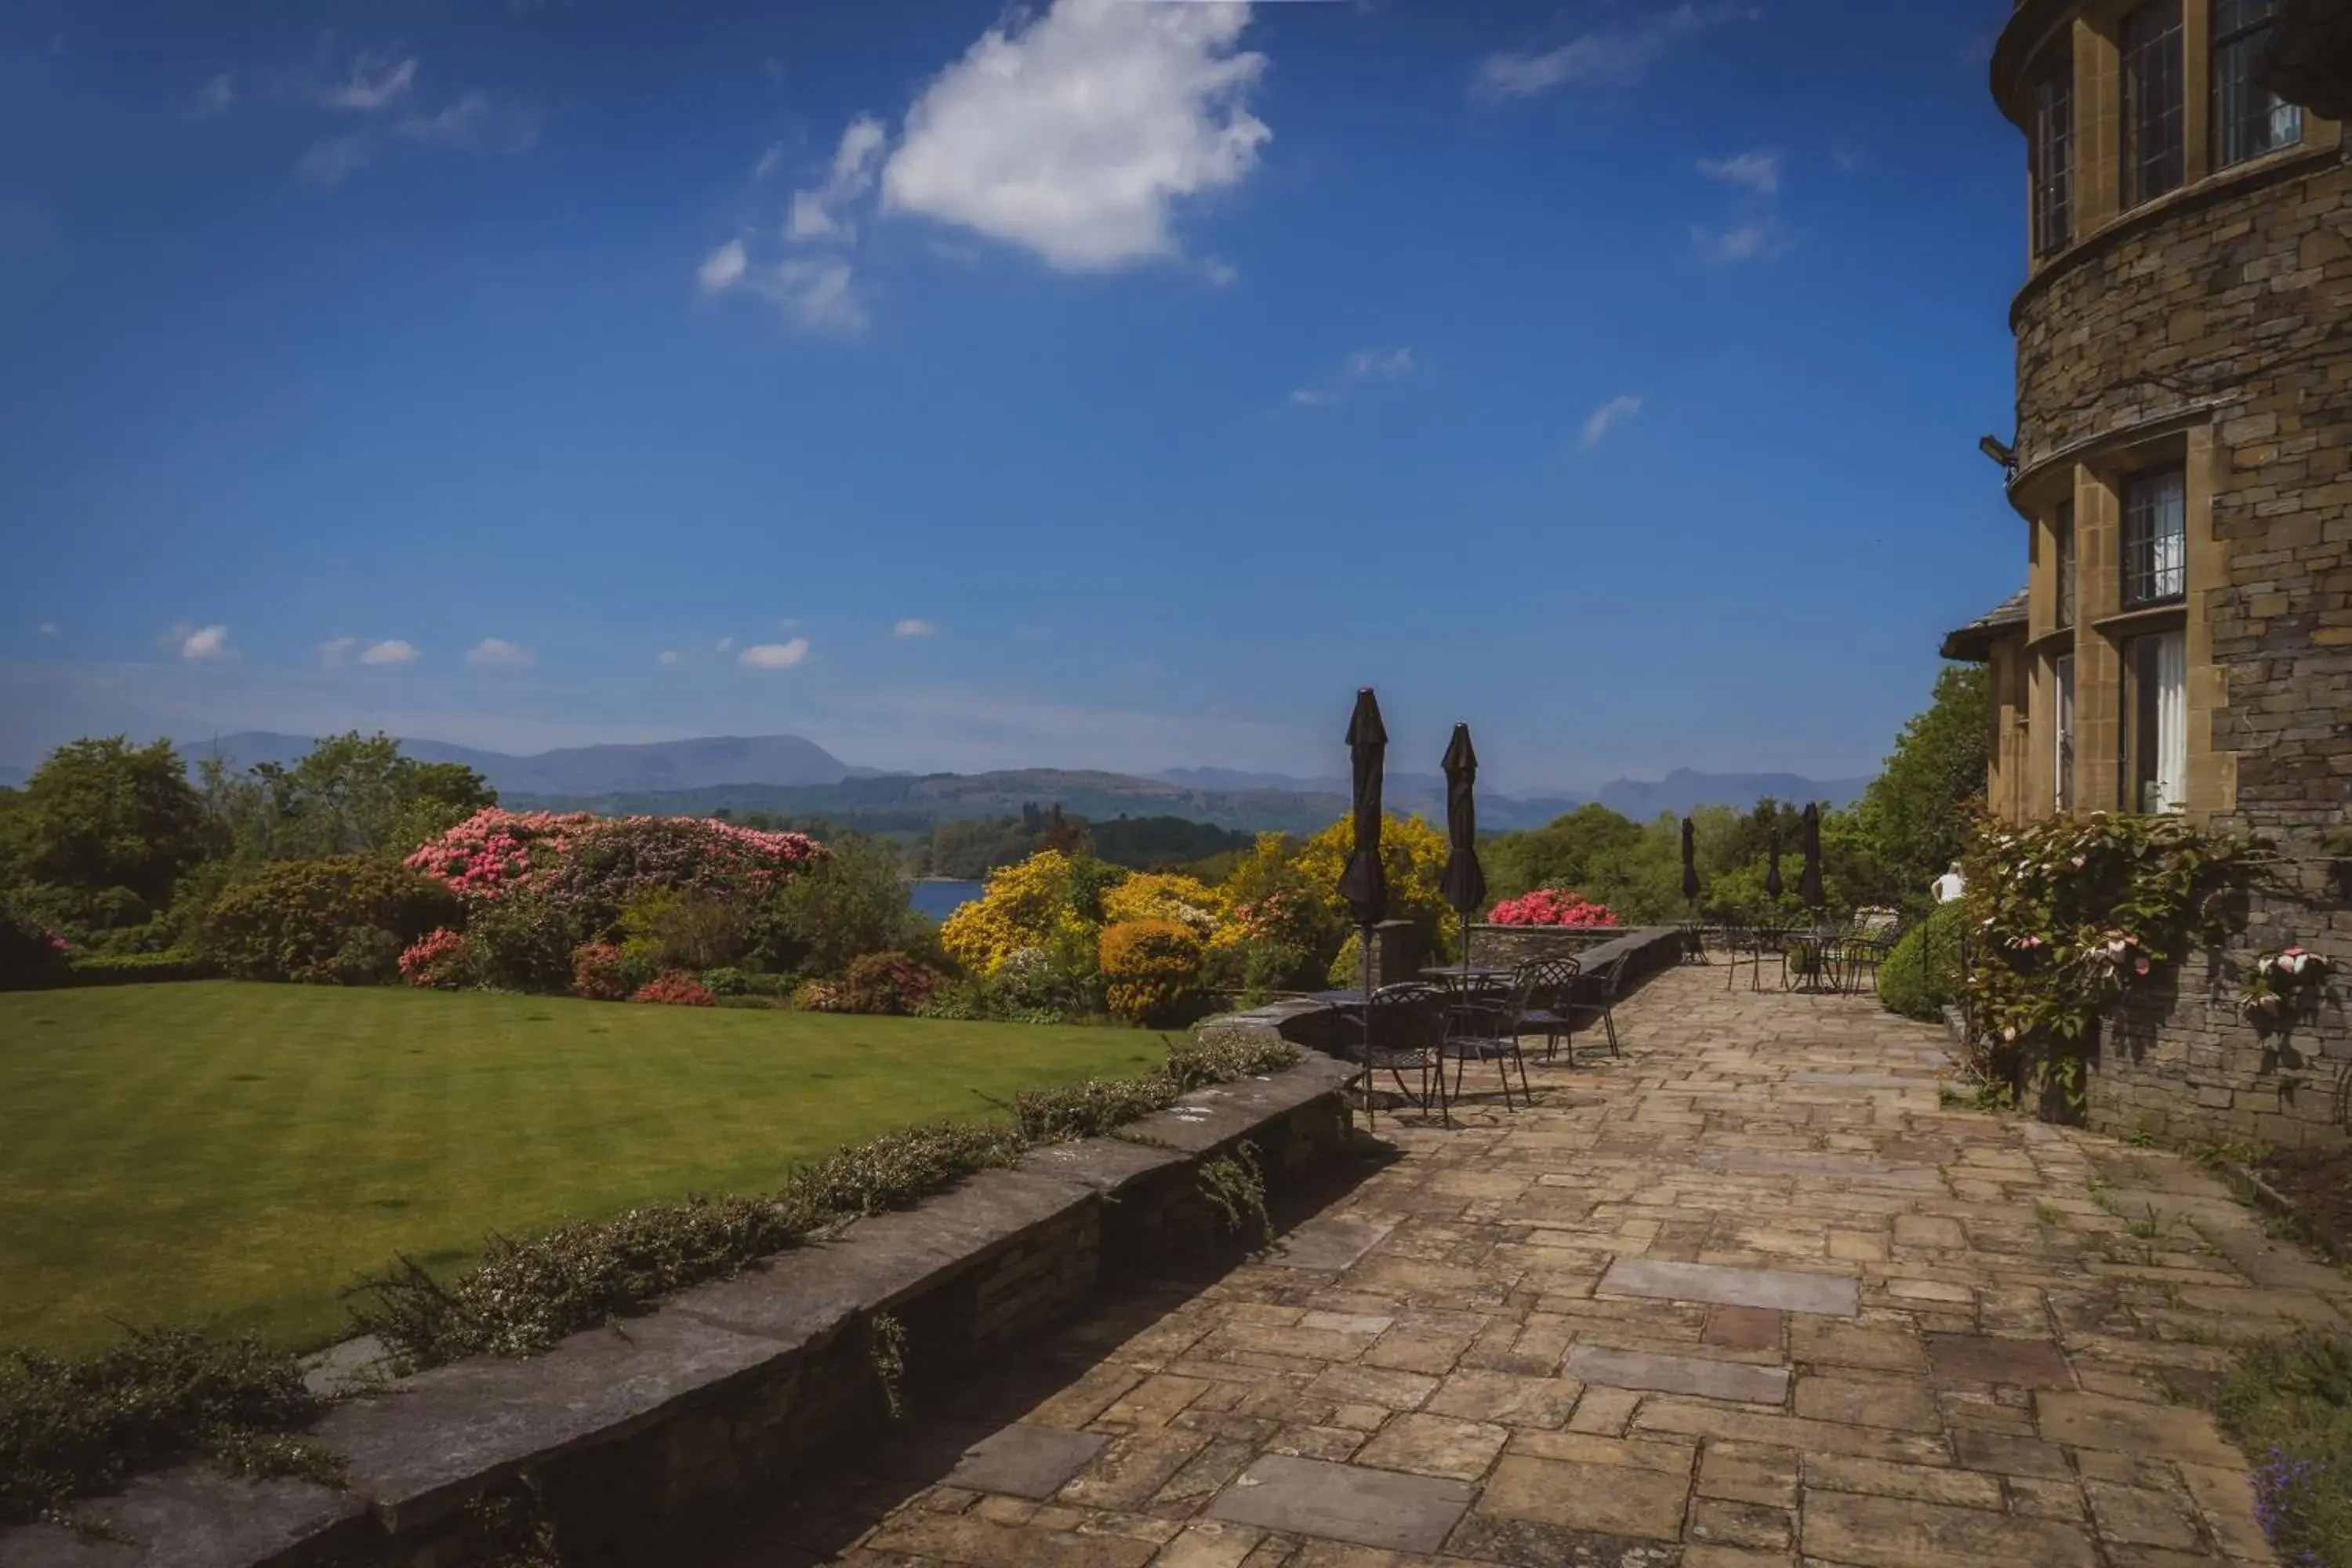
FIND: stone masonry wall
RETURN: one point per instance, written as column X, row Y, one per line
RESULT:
column 2231, row 306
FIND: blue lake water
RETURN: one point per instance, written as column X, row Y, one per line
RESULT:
column 939, row 899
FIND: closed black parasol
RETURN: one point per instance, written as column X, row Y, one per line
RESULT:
column 1690, row 862
column 1808, row 884
column 1363, row 884
column 1772, row 866
column 1464, row 882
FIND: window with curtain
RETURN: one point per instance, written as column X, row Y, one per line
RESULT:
column 2155, row 155
column 2062, row 716
column 2156, row 731
column 2247, row 121
column 2156, row 552
column 2061, row 528
column 2052, row 153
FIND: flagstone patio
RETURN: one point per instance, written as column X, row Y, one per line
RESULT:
column 1750, row 1295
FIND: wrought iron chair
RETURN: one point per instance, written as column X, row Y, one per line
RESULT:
column 1549, row 982
column 1401, row 1028
column 1594, row 996
column 1483, row 1023
column 1744, row 944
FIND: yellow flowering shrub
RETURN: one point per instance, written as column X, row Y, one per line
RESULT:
column 1020, row 908
column 1165, row 896
column 1412, row 852
column 1150, row 969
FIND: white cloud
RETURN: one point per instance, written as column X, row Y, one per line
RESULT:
column 1757, row 239
column 722, row 269
column 723, row 645
column 1759, row 172
column 496, row 653
column 216, row 95
column 1605, row 55
column 46, row 629
column 770, row 160
column 205, row 642
column 1607, row 417
column 1364, row 365
column 373, row 84
column 914, row 628
column 331, row 651
column 667, row 655
column 1075, row 134
column 473, row 122
column 774, row 654
column 817, row 293
column 329, row 161
column 816, row 213
column 392, row 650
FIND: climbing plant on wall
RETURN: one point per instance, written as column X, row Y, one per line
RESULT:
column 2067, row 916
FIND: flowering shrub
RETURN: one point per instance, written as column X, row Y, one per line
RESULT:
column 596, row 972
column 2276, row 982
column 676, row 989
column 1150, row 969
column 1020, row 908
column 1165, row 895
column 888, row 984
column 600, row 863
column 25, row 944
column 1545, row 907
column 1413, row 855
column 437, row 960
column 2068, row 915
column 818, row 996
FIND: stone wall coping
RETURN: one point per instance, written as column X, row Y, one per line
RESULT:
column 420, row 1448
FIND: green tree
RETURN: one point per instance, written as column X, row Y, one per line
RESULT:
column 101, row 832
column 1917, row 812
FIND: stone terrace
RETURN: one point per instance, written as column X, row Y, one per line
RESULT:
column 1749, row 1295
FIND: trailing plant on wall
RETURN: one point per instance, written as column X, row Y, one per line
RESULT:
column 2067, row 916
column 2280, row 984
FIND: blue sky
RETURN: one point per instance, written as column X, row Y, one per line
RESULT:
column 1105, row 384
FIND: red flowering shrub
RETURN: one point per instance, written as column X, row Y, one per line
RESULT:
column 889, row 984
column 1545, row 907
column 676, row 989
column 437, row 960
column 596, row 972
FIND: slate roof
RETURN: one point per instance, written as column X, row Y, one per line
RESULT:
column 1973, row 642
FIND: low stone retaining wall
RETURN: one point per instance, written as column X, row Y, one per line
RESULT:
column 620, row 1438
column 1500, row 945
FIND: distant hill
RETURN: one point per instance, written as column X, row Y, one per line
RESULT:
column 892, row 801
column 590, row 770
column 1683, row 789
column 795, row 777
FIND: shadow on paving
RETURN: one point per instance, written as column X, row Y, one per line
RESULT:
column 818, row 1513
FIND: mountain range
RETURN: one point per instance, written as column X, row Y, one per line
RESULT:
column 792, row 776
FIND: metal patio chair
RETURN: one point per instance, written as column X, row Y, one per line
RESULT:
column 1483, row 1023
column 1594, row 996
column 1549, row 981
column 1400, row 1029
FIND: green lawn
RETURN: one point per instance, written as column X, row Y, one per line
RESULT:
column 233, row 1153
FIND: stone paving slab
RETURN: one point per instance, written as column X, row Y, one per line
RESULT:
column 1777, row 1290
column 1027, row 1461
column 1345, row 1503
column 1744, row 1296
column 1680, row 1375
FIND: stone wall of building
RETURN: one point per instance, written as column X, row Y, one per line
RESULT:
column 2223, row 317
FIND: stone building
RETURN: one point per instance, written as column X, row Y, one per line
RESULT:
column 2183, row 466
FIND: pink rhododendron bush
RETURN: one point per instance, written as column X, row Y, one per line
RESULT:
column 602, row 906
column 600, row 863
column 1546, row 907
